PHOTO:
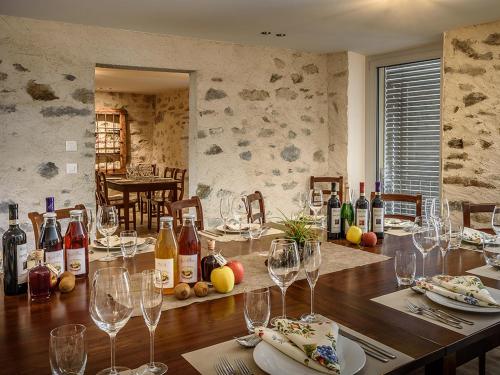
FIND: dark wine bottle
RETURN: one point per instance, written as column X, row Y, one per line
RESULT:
column 362, row 209
column 378, row 212
column 51, row 242
column 333, row 215
column 15, row 256
column 346, row 212
column 49, row 207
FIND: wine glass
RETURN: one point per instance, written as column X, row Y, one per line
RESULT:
column 443, row 229
column 302, row 200
column 283, row 265
column 495, row 220
column 315, row 201
column 312, row 263
column 255, row 229
column 424, row 238
column 225, row 209
column 111, row 306
column 151, row 301
column 445, row 208
column 257, row 308
column 68, row 350
column 107, row 224
column 240, row 210
column 89, row 220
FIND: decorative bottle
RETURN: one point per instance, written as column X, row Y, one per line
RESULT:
column 166, row 254
column 333, row 215
column 189, row 252
column 76, row 245
column 39, row 279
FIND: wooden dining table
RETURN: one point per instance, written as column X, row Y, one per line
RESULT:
column 344, row 296
column 140, row 185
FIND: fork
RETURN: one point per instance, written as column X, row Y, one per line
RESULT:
column 446, row 314
column 419, row 311
column 224, row 367
column 242, row 367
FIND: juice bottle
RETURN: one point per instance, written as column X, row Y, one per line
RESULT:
column 76, row 245
column 189, row 252
column 166, row 252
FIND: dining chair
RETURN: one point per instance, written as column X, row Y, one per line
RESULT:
column 37, row 219
column 156, row 206
column 103, row 198
column 176, row 209
column 327, row 192
column 469, row 208
column 256, row 199
column 407, row 198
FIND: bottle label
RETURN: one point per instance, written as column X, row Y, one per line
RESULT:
column 166, row 268
column 188, row 268
column 335, row 220
column 14, row 222
column 75, row 261
column 362, row 219
column 378, row 220
column 56, row 258
column 22, row 263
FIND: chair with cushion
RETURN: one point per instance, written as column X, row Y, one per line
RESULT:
column 406, row 198
column 469, row 208
column 327, row 192
column 254, row 200
column 176, row 210
column 103, row 199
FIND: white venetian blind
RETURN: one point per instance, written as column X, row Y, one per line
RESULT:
column 412, row 131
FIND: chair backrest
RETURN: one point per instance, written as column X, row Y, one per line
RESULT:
column 475, row 208
column 327, row 192
column 175, row 209
column 102, row 191
column 180, row 174
column 417, row 199
column 169, row 172
column 37, row 219
column 252, row 216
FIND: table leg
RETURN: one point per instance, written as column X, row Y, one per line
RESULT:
column 174, row 193
column 126, row 208
column 444, row 366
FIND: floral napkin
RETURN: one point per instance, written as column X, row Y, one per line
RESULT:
column 466, row 289
column 312, row 344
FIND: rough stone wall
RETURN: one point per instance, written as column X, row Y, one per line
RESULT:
column 470, row 115
column 140, row 124
column 171, row 129
column 258, row 115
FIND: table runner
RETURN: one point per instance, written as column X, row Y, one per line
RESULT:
column 397, row 301
column 203, row 360
column 335, row 258
column 486, row 271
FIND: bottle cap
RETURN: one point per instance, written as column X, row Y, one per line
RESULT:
column 167, row 219
column 49, row 215
column 377, row 186
column 76, row 212
column 334, row 187
column 13, row 211
column 361, row 187
column 50, row 204
column 39, row 254
column 189, row 216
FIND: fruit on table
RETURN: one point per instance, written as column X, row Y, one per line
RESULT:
column 222, row 279
column 369, row 239
column 182, row 291
column 200, row 289
column 67, row 282
column 238, row 270
column 354, row 234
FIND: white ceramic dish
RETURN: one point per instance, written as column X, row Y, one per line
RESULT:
column 97, row 246
column 452, row 304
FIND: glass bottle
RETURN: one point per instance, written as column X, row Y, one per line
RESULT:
column 76, row 245
column 50, row 207
column 378, row 212
column 15, row 256
column 189, row 252
column 333, row 215
column 347, row 212
column 209, row 262
column 362, row 207
column 52, row 243
column 166, row 252
column 39, row 279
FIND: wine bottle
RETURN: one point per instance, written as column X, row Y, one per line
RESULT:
column 39, row 279
column 346, row 212
column 209, row 262
column 76, row 245
column 362, row 208
column 378, row 212
column 333, row 215
column 52, row 243
column 166, row 252
column 49, row 207
column 15, row 256
column 189, row 252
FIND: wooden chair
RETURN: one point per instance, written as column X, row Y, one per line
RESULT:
column 103, row 199
column 252, row 216
column 157, row 203
column 175, row 209
column 37, row 219
column 327, row 192
column 416, row 199
column 475, row 208
column 180, row 174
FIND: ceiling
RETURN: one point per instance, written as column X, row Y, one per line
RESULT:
column 364, row 26
column 138, row 81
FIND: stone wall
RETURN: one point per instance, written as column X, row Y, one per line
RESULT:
column 140, row 124
column 470, row 115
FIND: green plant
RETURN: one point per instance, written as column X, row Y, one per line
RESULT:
column 299, row 228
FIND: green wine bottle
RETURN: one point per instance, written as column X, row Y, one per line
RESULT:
column 346, row 212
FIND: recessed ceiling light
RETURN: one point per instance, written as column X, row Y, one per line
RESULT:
column 265, row 33
column 280, row 35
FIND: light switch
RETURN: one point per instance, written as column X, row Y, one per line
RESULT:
column 71, row 146
column 71, row 168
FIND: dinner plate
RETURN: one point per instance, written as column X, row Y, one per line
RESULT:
column 244, row 228
column 452, row 304
column 474, row 236
column 274, row 362
column 98, row 246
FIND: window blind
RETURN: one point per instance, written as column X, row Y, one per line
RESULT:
column 412, row 131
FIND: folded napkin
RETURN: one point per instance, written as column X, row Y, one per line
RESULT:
column 312, row 344
column 236, row 226
column 466, row 289
column 114, row 241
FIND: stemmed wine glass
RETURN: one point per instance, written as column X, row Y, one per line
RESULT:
column 89, row 220
column 225, row 209
column 315, row 202
column 302, row 200
column 240, row 210
column 151, row 301
column 424, row 238
column 312, row 263
column 107, row 224
column 111, row 306
column 495, row 220
column 283, row 265
column 443, row 229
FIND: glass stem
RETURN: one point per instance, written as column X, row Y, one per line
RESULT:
column 112, row 337
column 423, row 265
column 312, row 300
column 107, row 244
column 443, row 253
column 151, row 348
column 283, row 305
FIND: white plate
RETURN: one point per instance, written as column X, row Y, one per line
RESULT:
column 274, row 362
column 244, row 228
column 452, row 304
column 474, row 236
column 98, row 246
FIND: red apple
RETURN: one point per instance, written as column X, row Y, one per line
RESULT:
column 238, row 270
column 369, row 239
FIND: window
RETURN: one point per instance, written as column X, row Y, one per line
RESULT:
column 110, row 142
column 410, row 131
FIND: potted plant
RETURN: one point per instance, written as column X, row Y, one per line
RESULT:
column 299, row 229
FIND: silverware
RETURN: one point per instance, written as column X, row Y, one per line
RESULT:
column 447, row 314
column 211, row 233
column 224, row 367
column 369, row 345
column 248, row 341
column 242, row 367
column 373, row 354
column 419, row 311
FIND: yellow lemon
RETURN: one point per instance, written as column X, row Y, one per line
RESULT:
column 354, row 234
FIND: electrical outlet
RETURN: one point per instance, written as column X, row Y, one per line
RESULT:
column 71, row 168
column 71, row 146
